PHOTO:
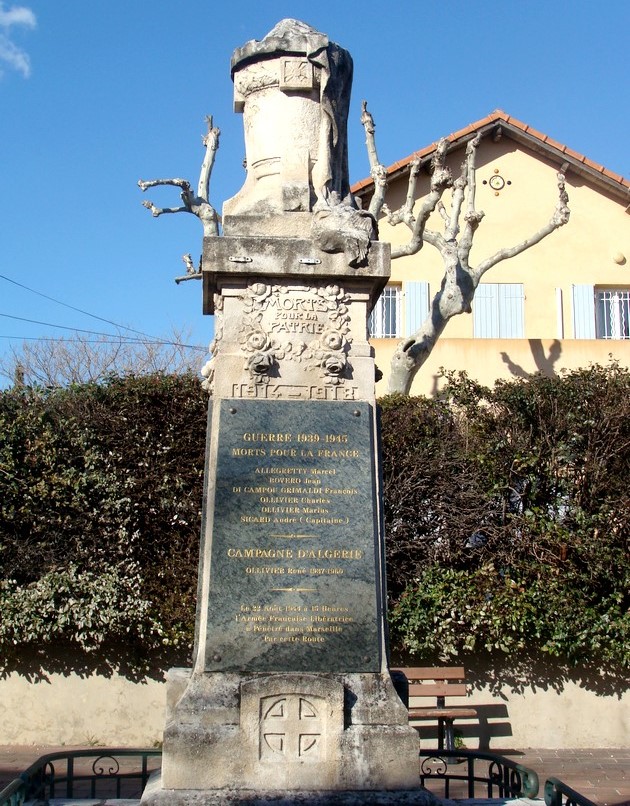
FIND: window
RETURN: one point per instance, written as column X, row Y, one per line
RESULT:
column 612, row 313
column 385, row 318
column 601, row 313
column 498, row 311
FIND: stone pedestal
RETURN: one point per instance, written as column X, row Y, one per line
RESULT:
column 287, row 732
column 290, row 689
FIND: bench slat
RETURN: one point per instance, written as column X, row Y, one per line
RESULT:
column 446, row 681
column 442, row 713
column 433, row 673
column 438, row 690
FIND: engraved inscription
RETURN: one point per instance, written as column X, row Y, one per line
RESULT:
column 293, row 552
column 276, row 391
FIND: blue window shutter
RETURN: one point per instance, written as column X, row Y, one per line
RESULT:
column 486, row 312
column 583, row 311
column 510, row 310
column 416, row 306
column 498, row 311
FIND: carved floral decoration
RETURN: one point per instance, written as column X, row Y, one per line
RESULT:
column 264, row 350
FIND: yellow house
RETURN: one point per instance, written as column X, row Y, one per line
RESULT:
column 563, row 303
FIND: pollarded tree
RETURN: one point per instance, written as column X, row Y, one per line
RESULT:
column 460, row 221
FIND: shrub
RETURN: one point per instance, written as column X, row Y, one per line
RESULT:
column 507, row 515
column 523, row 541
column 101, row 489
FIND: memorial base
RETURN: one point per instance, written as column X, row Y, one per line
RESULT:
column 157, row 796
column 273, row 733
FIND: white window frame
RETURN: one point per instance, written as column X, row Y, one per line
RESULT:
column 385, row 319
column 612, row 313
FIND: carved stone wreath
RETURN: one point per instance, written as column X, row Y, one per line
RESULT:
column 264, row 349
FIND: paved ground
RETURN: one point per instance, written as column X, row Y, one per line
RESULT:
column 601, row 775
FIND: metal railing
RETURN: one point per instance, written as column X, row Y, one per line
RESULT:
column 557, row 793
column 475, row 774
column 103, row 773
column 123, row 772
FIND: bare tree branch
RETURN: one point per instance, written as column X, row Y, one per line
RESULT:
column 157, row 211
column 405, row 213
column 559, row 219
column 377, row 170
column 441, row 179
column 83, row 358
column 192, row 272
column 198, row 204
column 472, row 217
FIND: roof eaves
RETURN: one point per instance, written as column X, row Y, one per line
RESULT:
column 520, row 132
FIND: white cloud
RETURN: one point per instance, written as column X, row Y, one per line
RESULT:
column 18, row 15
column 10, row 54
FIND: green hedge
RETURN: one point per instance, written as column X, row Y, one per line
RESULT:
column 100, row 506
column 507, row 518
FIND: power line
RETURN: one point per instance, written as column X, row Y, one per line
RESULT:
column 113, row 340
column 73, row 308
column 130, row 339
column 63, row 327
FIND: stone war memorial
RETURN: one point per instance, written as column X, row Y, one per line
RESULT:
column 289, row 699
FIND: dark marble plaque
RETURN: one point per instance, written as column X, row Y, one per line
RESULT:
column 294, row 545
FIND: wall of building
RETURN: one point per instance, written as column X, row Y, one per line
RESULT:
column 113, row 711
column 583, row 251
column 487, row 360
column 540, row 717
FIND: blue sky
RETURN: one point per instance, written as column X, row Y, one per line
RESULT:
column 95, row 95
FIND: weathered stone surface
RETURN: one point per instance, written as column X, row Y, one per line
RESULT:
column 290, row 690
column 290, row 731
column 293, row 88
column 263, row 258
column 155, row 795
column 292, row 340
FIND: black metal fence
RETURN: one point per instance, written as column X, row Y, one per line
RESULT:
column 96, row 773
column 558, row 793
column 475, row 774
column 123, row 773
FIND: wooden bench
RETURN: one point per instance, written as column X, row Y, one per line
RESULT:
column 440, row 683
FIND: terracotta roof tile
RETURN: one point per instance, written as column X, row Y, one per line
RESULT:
column 616, row 177
column 494, row 117
column 594, row 165
column 468, row 130
column 517, row 123
column 538, row 135
column 554, row 143
column 575, row 154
